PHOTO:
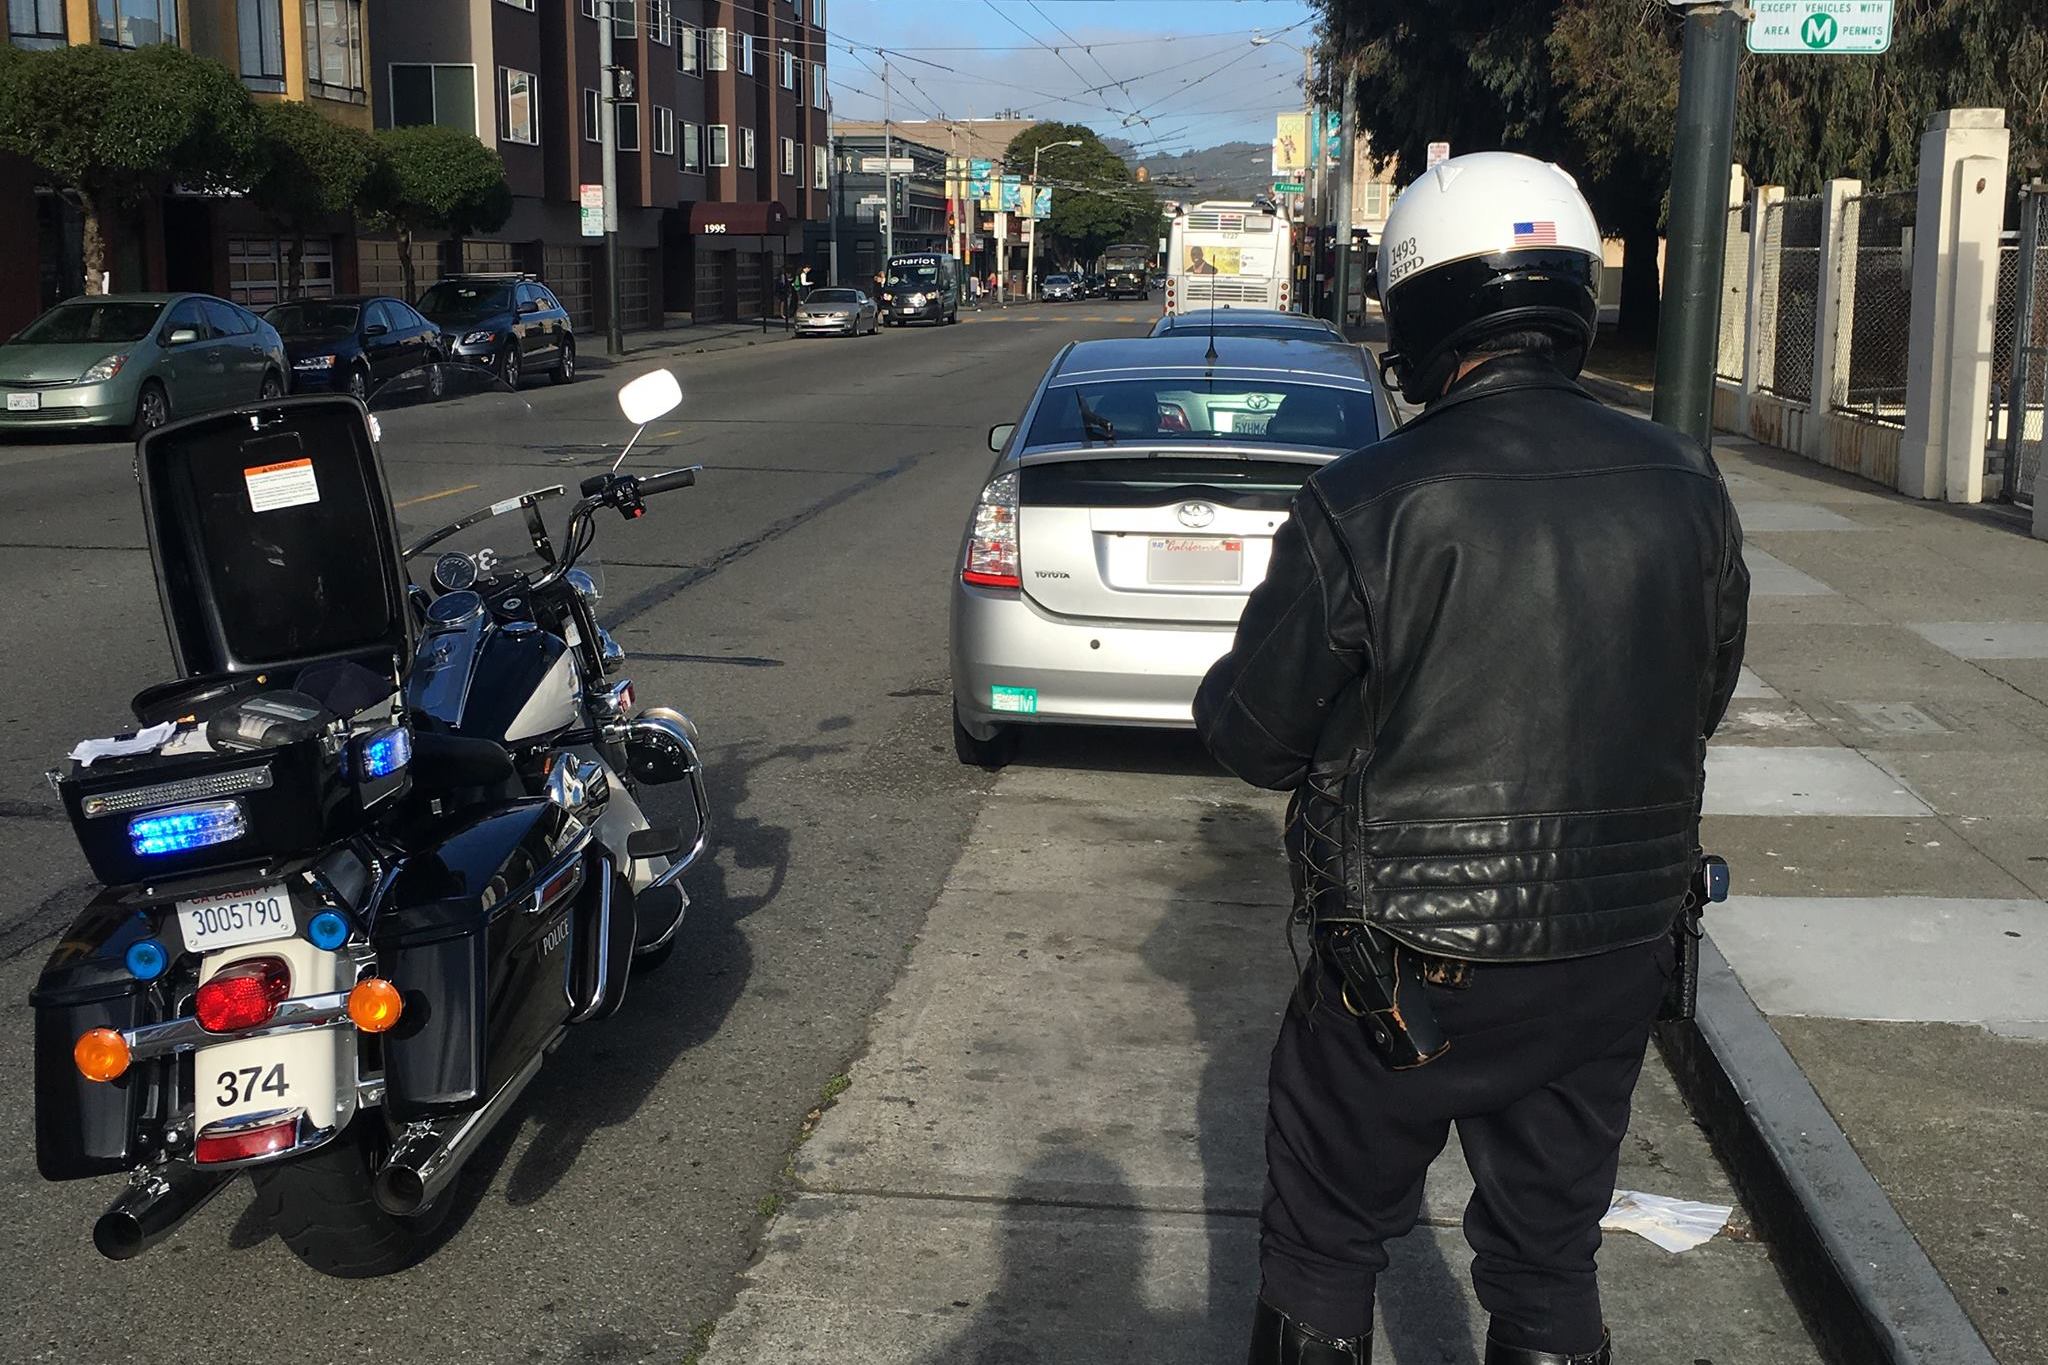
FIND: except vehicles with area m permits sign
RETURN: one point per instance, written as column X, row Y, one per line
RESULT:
column 1844, row 27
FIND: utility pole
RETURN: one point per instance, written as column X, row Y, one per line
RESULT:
column 888, row 176
column 1308, row 174
column 1347, row 150
column 1688, row 331
column 608, row 138
column 832, row 198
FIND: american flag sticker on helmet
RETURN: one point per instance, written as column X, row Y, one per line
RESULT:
column 1536, row 234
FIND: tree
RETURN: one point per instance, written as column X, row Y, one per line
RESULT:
column 1094, row 199
column 314, row 168
column 434, row 179
column 1593, row 85
column 118, row 128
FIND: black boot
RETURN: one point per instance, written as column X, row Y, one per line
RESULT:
column 1279, row 1340
column 1497, row 1354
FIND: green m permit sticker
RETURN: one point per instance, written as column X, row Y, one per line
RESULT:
column 1022, row 700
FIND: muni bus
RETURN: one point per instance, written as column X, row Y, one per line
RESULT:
column 1225, row 253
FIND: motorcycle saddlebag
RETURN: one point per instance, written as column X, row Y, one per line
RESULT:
column 84, row 1127
column 476, row 933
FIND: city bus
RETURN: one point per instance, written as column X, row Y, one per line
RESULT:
column 1127, row 269
column 1227, row 253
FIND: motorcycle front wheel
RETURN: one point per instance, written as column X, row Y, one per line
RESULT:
column 322, row 1205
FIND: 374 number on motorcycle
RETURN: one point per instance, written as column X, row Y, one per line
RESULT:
column 246, row 1084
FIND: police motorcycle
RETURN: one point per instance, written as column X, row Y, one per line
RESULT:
column 368, row 856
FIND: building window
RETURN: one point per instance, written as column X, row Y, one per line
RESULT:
column 818, row 12
column 788, row 163
column 334, row 48
column 693, row 149
column 747, row 149
column 659, row 21
column 518, row 4
column 721, row 144
column 821, row 168
column 136, row 23
column 746, row 54
column 590, row 9
column 421, row 93
column 625, row 18
column 593, row 116
column 259, row 34
column 688, row 58
column 518, row 106
column 717, row 42
column 626, row 125
column 788, row 69
column 664, row 131
column 36, row 23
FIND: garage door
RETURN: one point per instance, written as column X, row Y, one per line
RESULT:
column 256, row 270
column 568, row 271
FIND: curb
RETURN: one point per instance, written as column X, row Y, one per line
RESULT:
column 1855, row 1270
column 1614, row 391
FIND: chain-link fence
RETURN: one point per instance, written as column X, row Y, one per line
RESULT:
column 1798, row 257
column 1734, row 296
column 1766, row 240
column 1875, row 262
column 2019, row 359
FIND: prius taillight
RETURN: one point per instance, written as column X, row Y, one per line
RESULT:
column 992, row 546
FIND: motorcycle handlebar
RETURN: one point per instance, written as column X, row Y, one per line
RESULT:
column 664, row 483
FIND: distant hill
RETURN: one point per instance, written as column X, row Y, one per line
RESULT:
column 1235, row 170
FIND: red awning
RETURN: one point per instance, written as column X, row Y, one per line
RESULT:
column 738, row 220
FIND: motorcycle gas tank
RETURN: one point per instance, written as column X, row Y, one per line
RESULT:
column 510, row 682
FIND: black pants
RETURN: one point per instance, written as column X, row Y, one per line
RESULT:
column 1543, row 1061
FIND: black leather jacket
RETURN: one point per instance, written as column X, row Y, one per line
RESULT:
column 1487, row 657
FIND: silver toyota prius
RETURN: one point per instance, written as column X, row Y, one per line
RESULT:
column 1128, row 515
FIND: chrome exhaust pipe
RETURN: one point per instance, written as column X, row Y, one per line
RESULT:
column 427, row 1158
column 156, row 1201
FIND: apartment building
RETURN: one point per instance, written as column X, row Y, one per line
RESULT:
column 721, row 140
column 311, row 50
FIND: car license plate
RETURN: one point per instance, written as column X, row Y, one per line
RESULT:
column 24, row 402
column 1203, row 560
column 253, row 916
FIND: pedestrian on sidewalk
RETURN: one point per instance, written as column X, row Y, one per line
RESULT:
column 1485, row 659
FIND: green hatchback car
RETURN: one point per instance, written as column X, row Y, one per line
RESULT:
column 135, row 361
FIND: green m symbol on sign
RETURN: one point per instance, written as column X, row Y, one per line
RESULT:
column 1819, row 30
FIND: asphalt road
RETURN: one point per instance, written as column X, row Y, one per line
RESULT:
column 793, row 604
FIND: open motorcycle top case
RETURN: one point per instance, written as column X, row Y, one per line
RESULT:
column 477, row 931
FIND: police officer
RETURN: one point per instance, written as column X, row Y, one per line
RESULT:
column 1486, row 658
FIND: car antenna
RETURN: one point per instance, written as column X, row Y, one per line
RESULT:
column 1211, row 357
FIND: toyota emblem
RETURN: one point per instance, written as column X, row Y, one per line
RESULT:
column 1196, row 514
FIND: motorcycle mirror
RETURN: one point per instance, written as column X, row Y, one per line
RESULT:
column 649, row 396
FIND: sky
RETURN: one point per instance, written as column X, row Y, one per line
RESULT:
column 1168, row 75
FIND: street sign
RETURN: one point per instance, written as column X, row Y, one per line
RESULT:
column 1829, row 27
column 1439, row 152
column 591, row 197
column 887, row 165
column 1287, row 187
column 871, row 200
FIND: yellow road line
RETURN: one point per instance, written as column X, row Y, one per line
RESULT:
column 444, row 493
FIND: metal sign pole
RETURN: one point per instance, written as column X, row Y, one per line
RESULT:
column 1688, row 334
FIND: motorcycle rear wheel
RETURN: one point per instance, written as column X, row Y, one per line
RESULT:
column 323, row 1207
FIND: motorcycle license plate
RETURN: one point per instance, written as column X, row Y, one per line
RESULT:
column 256, row 915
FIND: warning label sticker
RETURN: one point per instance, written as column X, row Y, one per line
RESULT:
column 289, row 484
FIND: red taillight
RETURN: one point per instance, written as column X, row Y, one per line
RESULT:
column 243, row 995
column 992, row 548
column 1173, row 417
column 240, row 1139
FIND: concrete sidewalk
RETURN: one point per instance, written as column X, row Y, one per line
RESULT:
column 1052, row 1150
column 1880, row 789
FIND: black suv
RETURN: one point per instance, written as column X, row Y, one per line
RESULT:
column 510, row 322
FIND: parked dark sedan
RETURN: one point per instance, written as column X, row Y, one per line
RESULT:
column 1095, row 286
column 511, row 323
column 352, row 345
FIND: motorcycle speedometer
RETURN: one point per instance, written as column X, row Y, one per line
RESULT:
column 454, row 571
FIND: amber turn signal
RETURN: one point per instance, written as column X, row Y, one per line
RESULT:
column 101, row 1054
column 374, row 1004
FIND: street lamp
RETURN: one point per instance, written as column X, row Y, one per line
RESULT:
column 1031, row 247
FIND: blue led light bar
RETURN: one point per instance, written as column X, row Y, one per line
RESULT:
column 184, row 828
column 385, row 752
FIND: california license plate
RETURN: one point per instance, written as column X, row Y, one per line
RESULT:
column 253, row 916
column 24, row 402
column 1211, row 561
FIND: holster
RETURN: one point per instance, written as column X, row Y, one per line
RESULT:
column 1382, row 986
column 1709, row 885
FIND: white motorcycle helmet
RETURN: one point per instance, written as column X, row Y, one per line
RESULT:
column 1482, row 245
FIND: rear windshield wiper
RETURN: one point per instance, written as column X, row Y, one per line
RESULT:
column 1094, row 426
